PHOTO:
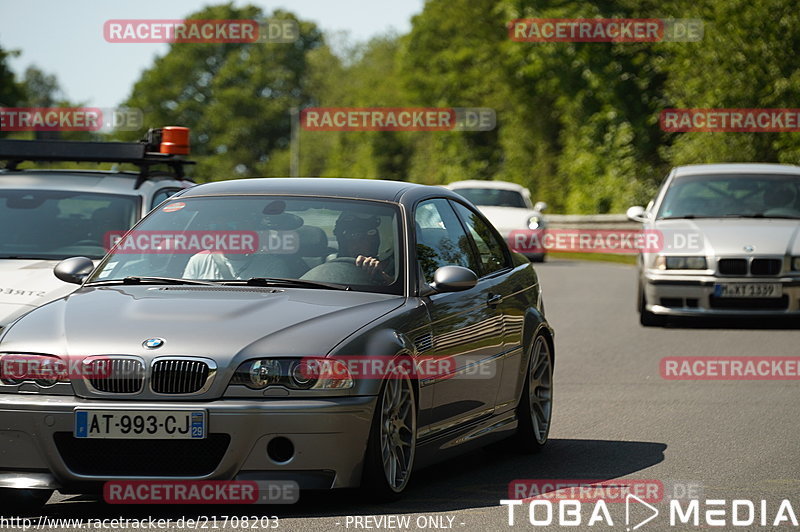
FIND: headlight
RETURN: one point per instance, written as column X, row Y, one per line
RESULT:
column 796, row 264
column 533, row 222
column 294, row 373
column 44, row 370
column 680, row 263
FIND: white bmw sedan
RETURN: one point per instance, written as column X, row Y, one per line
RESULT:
column 728, row 243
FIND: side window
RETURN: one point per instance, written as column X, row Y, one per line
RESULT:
column 441, row 240
column 490, row 248
column 163, row 194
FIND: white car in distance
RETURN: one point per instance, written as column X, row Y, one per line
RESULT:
column 507, row 205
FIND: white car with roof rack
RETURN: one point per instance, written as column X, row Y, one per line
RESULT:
column 48, row 215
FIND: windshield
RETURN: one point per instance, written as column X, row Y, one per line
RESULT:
column 352, row 243
column 493, row 197
column 54, row 224
column 744, row 195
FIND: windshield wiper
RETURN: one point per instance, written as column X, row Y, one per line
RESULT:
column 280, row 281
column 762, row 215
column 153, row 280
column 685, row 217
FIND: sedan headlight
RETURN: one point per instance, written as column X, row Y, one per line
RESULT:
column 796, row 264
column 533, row 222
column 294, row 373
column 680, row 263
column 43, row 370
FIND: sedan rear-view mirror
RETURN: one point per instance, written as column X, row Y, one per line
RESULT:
column 73, row 270
column 453, row 279
column 636, row 214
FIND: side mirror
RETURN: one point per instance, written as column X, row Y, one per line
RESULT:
column 453, row 279
column 74, row 270
column 636, row 214
column 540, row 206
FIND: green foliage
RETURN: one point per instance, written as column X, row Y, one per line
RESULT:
column 234, row 96
column 577, row 123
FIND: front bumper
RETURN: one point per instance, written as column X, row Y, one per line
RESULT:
column 693, row 295
column 329, row 437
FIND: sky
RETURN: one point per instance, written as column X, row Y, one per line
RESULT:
column 65, row 37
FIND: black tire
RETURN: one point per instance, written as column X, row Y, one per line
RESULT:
column 375, row 481
column 22, row 502
column 535, row 419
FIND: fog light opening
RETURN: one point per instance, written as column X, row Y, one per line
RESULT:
column 280, row 450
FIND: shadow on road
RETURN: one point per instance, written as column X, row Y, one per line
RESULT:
column 475, row 480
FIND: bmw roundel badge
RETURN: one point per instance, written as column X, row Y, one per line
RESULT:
column 153, row 343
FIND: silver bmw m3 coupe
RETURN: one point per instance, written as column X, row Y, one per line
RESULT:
column 328, row 332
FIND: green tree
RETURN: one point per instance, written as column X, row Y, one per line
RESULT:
column 235, row 96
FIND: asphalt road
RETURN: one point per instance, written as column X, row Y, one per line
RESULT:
column 614, row 418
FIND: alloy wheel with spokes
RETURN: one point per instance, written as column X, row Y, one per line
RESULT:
column 392, row 446
column 536, row 404
column 398, row 430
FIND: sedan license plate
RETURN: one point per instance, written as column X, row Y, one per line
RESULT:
column 748, row 290
column 141, row 424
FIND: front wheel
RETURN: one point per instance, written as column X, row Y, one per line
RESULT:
column 535, row 408
column 389, row 459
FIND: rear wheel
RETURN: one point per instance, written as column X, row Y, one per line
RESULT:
column 392, row 442
column 535, row 408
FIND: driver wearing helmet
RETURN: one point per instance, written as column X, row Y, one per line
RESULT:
column 358, row 237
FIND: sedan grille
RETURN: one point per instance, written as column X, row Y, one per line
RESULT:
column 116, row 375
column 757, row 267
column 113, row 457
column 766, row 266
column 750, row 303
column 732, row 266
column 179, row 376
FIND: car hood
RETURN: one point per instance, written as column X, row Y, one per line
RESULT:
column 507, row 219
column 26, row 284
column 213, row 322
column 730, row 236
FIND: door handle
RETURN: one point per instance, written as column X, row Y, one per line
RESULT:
column 494, row 299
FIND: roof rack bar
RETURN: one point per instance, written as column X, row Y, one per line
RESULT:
column 16, row 151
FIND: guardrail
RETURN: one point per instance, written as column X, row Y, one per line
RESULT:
column 590, row 221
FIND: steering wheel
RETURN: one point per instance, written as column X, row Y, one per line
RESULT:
column 342, row 270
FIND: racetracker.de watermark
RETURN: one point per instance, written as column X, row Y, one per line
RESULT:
column 730, row 368
column 192, row 242
column 730, row 120
column 623, row 241
column 70, row 119
column 200, row 31
column 423, row 367
column 201, row 492
column 20, row 367
column 605, row 30
column 398, row 119
column 615, row 491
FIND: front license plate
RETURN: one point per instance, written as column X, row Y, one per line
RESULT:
column 141, row 424
column 748, row 290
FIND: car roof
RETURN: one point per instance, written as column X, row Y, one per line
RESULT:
column 736, row 168
column 374, row 189
column 84, row 181
column 478, row 183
